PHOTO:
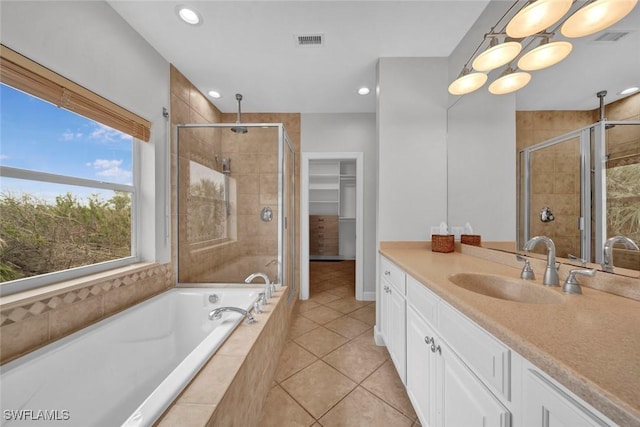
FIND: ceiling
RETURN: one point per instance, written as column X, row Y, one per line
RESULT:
column 249, row 47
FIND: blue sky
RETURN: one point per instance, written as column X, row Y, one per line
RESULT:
column 39, row 136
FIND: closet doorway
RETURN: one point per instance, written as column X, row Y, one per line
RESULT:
column 331, row 212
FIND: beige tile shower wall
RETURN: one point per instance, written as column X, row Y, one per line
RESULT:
column 291, row 123
column 255, row 171
column 27, row 323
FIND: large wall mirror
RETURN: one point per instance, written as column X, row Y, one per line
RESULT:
column 510, row 156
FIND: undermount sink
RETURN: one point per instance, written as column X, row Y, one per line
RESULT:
column 506, row 288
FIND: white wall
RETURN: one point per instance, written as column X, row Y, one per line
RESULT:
column 481, row 147
column 412, row 147
column 350, row 132
column 89, row 43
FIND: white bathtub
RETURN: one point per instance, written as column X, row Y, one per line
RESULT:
column 125, row 370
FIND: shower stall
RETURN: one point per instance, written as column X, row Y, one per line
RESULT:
column 582, row 188
column 235, row 203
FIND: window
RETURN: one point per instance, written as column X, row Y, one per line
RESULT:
column 67, row 193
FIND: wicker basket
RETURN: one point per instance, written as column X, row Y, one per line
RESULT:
column 470, row 239
column 442, row 243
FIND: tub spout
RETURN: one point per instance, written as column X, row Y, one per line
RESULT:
column 268, row 289
column 217, row 313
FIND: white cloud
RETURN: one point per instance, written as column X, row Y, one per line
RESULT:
column 107, row 134
column 111, row 169
column 3, row 157
column 70, row 136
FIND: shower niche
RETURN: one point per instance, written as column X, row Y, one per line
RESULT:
column 235, row 203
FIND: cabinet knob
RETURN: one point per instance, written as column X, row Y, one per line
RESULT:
column 435, row 349
column 428, row 340
column 387, row 273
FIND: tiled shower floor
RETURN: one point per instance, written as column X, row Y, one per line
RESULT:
column 331, row 373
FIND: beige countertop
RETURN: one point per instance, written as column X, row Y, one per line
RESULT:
column 590, row 343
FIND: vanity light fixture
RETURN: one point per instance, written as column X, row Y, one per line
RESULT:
column 214, row 94
column 497, row 55
column 537, row 16
column 630, row 90
column 532, row 19
column 596, row 16
column 188, row 15
column 509, row 81
column 467, row 82
column 364, row 91
column 545, row 55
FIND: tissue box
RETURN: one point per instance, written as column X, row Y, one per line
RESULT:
column 442, row 242
column 470, row 239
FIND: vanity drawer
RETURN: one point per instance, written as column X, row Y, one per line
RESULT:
column 423, row 300
column 394, row 275
column 485, row 355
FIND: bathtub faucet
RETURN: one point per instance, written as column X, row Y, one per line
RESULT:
column 267, row 289
column 216, row 313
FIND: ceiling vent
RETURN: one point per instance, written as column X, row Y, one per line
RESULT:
column 611, row 36
column 309, row 40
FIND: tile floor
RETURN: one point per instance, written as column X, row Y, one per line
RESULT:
column 331, row 373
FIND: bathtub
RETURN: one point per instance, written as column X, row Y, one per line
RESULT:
column 125, row 370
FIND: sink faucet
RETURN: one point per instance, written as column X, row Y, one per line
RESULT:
column 267, row 288
column 217, row 313
column 551, row 272
column 607, row 261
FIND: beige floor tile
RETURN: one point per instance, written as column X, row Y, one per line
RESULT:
column 300, row 325
column 347, row 305
column 343, row 291
column 322, row 314
column 318, row 387
column 323, row 297
column 386, row 384
column 366, row 314
column 306, row 305
column 320, row 341
column 416, row 423
column 366, row 340
column 362, row 409
column 280, row 409
column 293, row 359
column 347, row 326
column 355, row 361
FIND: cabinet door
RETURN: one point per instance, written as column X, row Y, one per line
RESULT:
column 421, row 368
column 545, row 405
column 397, row 331
column 463, row 399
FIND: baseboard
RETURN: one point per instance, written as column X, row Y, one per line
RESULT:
column 377, row 336
column 369, row 296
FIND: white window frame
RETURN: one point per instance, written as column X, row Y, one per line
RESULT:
column 28, row 283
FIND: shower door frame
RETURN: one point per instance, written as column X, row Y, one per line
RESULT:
column 283, row 139
column 593, row 198
column 583, row 134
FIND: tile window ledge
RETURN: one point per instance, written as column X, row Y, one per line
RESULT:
column 66, row 292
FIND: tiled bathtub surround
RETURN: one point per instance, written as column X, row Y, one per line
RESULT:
column 230, row 389
column 35, row 318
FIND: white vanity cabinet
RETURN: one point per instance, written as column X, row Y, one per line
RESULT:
column 545, row 404
column 458, row 374
column 442, row 389
column 394, row 313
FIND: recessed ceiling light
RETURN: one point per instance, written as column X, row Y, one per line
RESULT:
column 214, row 94
column 364, row 90
column 188, row 15
column 630, row 90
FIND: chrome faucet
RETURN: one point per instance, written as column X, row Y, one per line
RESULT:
column 267, row 288
column 216, row 313
column 551, row 272
column 571, row 285
column 607, row 261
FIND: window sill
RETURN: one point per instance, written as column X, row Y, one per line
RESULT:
column 18, row 299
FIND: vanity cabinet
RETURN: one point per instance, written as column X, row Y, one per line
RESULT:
column 442, row 389
column 458, row 374
column 547, row 405
column 393, row 311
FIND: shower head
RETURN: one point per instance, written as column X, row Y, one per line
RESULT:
column 601, row 96
column 239, row 129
